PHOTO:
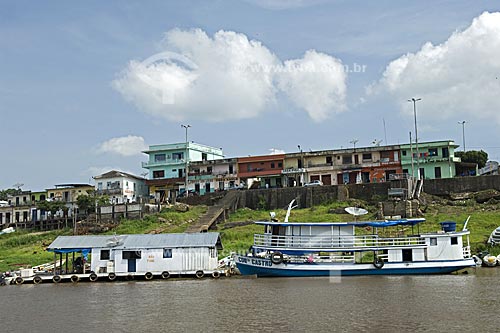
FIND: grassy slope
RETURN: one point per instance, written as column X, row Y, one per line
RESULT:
column 23, row 248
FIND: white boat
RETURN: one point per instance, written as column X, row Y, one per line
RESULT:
column 333, row 249
column 489, row 261
column 495, row 237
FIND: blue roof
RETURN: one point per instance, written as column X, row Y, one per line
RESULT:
column 376, row 224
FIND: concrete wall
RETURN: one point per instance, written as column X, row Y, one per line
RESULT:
column 443, row 187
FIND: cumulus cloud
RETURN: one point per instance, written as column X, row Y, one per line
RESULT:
column 125, row 146
column 227, row 77
column 315, row 83
column 457, row 77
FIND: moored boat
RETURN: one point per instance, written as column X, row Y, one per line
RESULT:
column 334, row 249
column 495, row 237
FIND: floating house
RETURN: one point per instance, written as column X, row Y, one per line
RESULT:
column 140, row 255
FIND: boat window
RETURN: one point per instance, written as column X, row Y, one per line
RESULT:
column 407, row 255
column 213, row 253
column 167, row 253
column 454, row 240
column 104, row 254
column 434, row 241
column 131, row 254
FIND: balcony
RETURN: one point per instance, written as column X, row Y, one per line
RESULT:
column 110, row 191
column 151, row 164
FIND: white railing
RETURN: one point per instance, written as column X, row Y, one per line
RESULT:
column 466, row 252
column 329, row 242
column 327, row 259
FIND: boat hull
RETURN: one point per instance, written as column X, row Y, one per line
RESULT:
column 265, row 268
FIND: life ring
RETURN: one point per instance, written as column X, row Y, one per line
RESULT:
column 130, row 277
column 378, row 262
column 277, row 258
column 37, row 279
column 165, row 275
column 148, row 275
column 199, row 274
column 19, row 280
column 111, row 276
column 75, row 278
column 93, row 277
column 56, row 279
column 216, row 274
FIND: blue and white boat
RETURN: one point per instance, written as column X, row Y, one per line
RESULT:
column 333, row 249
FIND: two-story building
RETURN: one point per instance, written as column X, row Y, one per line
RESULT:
column 261, row 171
column 121, row 187
column 168, row 163
column 213, row 175
column 435, row 159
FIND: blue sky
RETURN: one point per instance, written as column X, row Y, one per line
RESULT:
column 79, row 93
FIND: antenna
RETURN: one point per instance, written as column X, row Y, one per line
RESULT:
column 18, row 185
column 354, row 141
column 376, row 142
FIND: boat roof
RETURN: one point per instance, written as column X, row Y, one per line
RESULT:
column 376, row 224
column 63, row 244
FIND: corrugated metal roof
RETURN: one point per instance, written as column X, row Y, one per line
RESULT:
column 136, row 241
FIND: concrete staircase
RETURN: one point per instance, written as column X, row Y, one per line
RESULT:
column 217, row 212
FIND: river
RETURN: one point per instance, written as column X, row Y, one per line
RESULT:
column 435, row 303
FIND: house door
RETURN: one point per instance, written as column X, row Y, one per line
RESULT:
column 207, row 187
column 326, row 179
column 131, row 265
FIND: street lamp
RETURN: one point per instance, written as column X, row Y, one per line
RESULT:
column 415, row 100
column 186, row 159
column 463, row 132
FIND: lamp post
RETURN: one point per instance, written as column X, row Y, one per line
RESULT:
column 463, row 132
column 415, row 100
column 301, row 179
column 186, row 159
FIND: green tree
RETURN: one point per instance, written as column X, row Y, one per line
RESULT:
column 473, row 156
column 87, row 202
column 52, row 206
column 10, row 191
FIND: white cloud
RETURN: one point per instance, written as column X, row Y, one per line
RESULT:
column 226, row 77
column 124, row 146
column 275, row 151
column 455, row 78
column 315, row 83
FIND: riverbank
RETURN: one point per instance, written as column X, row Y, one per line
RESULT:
column 22, row 248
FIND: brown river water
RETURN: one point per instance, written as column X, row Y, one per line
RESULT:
column 438, row 303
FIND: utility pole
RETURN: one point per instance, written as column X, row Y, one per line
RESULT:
column 463, row 132
column 415, row 100
column 186, row 158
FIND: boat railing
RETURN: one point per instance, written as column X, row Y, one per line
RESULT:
column 466, row 252
column 329, row 242
column 325, row 259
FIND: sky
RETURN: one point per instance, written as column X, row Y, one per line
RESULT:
column 86, row 86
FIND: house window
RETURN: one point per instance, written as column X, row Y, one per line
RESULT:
column 405, row 170
column 209, row 169
column 231, row 169
column 446, row 152
column 437, row 172
column 272, row 165
column 177, row 156
column 25, row 216
column 167, row 253
column 329, row 160
column 280, row 165
column 454, row 240
column 160, row 158
column 433, row 152
column 403, row 152
column 367, row 157
column 159, row 174
column 203, row 156
column 347, row 159
column 104, row 254
column 99, row 186
column 434, row 241
column 131, row 255
column 422, row 173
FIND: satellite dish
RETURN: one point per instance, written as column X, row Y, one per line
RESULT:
column 356, row 211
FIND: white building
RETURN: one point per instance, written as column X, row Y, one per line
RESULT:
column 121, row 187
column 160, row 254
